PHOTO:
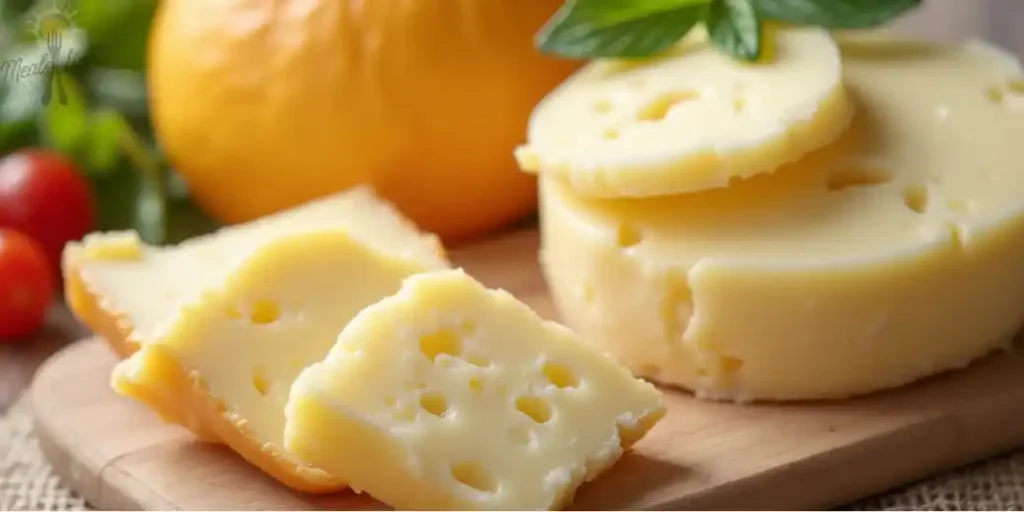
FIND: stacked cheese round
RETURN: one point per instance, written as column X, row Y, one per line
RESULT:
column 867, row 261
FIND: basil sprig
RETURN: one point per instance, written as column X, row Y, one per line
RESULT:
column 641, row 28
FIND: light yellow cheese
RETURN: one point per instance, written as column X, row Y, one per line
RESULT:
column 113, row 278
column 892, row 255
column 689, row 121
column 225, row 359
column 450, row 396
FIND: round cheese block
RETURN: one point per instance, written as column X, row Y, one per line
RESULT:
column 691, row 120
column 894, row 253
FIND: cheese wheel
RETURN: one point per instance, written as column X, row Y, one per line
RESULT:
column 690, row 121
column 893, row 254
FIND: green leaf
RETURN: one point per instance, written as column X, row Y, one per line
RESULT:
column 103, row 148
column 67, row 115
column 835, row 14
column 619, row 28
column 734, row 28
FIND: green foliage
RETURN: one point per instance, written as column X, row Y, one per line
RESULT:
column 104, row 123
column 641, row 28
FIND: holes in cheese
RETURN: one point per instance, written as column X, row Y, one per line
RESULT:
column 995, row 94
column 260, row 380
column 444, row 341
column 608, row 131
column 658, row 108
column 627, row 236
column 264, row 312
column 837, row 274
column 1011, row 87
column 857, row 177
column 435, row 403
column 474, row 476
column 916, row 198
column 560, row 375
column 483, row 437
column 535, row 407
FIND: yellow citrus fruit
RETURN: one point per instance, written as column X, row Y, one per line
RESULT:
column 262, row 104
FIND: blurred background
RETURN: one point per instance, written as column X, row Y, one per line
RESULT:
column 248, row 99
column 106, row 127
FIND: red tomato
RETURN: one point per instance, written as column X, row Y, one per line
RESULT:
column 26, row 285
column 43, row 196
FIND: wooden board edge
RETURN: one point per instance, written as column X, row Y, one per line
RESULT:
column 949, row 430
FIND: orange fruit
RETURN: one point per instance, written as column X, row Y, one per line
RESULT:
column 261, row 105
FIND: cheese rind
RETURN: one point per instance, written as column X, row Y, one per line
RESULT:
column 231, row 356
column 689, row 121
column 220, row 358
column 450, row 396
column 891, row 255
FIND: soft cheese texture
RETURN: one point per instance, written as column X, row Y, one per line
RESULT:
column 893, row 254
column 689, row 121
column 223, row 361
column 124, row 289
column 450, row 396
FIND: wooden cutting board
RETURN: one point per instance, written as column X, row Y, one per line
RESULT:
column 702, row 456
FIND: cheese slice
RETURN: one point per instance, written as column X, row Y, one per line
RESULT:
column 124, row 290
column 692, row 120
column 893, row 254
column 222, row 361
column 450, row 396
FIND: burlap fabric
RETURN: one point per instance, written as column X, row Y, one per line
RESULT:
column 27, row 482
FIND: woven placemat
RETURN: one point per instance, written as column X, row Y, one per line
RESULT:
column 27, row 482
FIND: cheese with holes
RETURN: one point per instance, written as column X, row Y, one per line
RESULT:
column 450, row 396
column 895, row 253
column 124, row 289
column 692, row 120
column 225, row 356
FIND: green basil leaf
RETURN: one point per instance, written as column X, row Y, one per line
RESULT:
column 618, row 28
column 835, row 14
column 735, row 28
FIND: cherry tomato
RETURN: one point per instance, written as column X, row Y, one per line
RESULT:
column 26, row 285
column 43, row 195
